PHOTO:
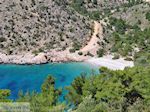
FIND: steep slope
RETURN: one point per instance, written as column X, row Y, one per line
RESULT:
column 93, row 46
column 39, row 25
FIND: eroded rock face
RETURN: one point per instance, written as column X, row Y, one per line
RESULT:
column 29, row 25
column 40, row 58
column 24, row 59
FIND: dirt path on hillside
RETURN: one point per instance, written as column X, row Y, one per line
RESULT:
column 92, row 46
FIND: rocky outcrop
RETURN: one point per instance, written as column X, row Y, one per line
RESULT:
column 41, row 58
column 23, row 59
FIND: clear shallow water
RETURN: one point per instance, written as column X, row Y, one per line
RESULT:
column 30, row 77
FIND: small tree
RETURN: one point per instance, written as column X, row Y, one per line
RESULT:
column 4, row 94
column 148, row 16
column 100, row 52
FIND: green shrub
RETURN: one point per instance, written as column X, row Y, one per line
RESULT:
column 80, row 53
column 95, row 15
column 100, row 52
column 4, row 94
column 35, row 52
column 139, row 22
column 148, row 16
column 78, row 6
column 95, row 2
column 119, row 24
column 76, row 46
column 116, row 56
column 72, row 50
column 2, row 39
column 89, row 54
column 128, row 59
column 62, row 39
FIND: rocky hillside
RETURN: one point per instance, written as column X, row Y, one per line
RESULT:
column 42, row 25
column 39, row 25
column 126, row 26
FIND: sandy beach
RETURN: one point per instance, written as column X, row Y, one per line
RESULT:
column 107, row 61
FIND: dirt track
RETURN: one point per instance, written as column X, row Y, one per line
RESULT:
column 92, row 45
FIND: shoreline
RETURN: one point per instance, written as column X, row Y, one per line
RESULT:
column 59, row 57
column 41, row 58
column 109, row 62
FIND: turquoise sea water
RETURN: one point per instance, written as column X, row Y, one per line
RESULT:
column 30, row 77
